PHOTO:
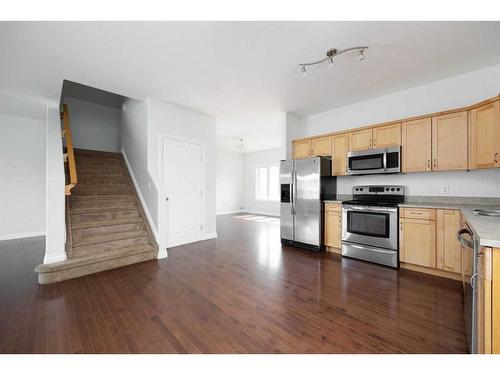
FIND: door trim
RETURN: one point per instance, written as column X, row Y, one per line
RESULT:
column 161, row 139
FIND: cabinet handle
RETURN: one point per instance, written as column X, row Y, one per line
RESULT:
column 496, row 157
column 428, row 164
column 374, row 142
column 434, row 167
column 415, row 213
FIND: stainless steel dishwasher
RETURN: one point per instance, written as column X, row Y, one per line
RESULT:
column 470, row 273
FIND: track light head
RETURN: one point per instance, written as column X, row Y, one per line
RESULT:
column 361, row 55
column 333, row 53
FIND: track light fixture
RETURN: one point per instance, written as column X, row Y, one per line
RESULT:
column 330, row 54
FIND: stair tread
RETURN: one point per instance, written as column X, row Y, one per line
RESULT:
column 117, row 197
column 102, row 210
column 95, row 258
column 104, row 223
column 111, row 237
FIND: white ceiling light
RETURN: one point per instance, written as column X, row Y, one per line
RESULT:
column 241, row 144
column 330, row 54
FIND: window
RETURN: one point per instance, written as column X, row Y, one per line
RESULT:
column 268, row 184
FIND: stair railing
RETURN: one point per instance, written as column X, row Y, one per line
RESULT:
column 69, row 156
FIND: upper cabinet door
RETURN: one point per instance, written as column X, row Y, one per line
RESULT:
column 321, row 146
column 340, row 147
column 301, row 148
column 484, row 136
column 387, row 136
column 449, row 142
column 360, row 140
column 416, row 145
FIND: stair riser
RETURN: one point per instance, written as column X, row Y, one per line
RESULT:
column 85, row 175
column 84, row 250
column 104, row 216
column 97, row 161
column 103, row 182
column 81, row 206
column 81, row 234
column 96, row 224
column 79, row 190
column 53, row 277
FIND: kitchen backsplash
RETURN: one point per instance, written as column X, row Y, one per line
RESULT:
column 484, row 183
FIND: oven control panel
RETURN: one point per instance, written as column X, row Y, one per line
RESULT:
column 378, row 190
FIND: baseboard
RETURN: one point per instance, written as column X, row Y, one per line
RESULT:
column 209, row 236
column 162, row 254
column 47, row 259
column 229, row 212
column 141, row 198
column 14, row 236
column 259, row 213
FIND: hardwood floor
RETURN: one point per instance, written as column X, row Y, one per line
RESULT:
column 240, row 293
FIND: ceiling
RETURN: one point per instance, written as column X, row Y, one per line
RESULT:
column 242, row 73
column 90, row 94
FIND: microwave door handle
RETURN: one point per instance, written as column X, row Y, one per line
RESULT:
column 385, row 160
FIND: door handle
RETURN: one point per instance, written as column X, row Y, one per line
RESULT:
column 462, row 240
column 472, row 278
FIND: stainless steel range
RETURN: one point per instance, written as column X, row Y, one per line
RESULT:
column 370, row 224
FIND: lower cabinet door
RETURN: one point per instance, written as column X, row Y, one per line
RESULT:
column 417, row 239
column 333, row 229
column 448, row 223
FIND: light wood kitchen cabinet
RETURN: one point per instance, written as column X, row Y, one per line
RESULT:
column 416, row 138
column 387, row 136
column 448, row 223
column 301, row 148
column 340, row 147
column 484, row 301
column 333, row 229
column 360, row 139
column 449, row 142
column 321, row 146
column 417, row 241
column 484, row 136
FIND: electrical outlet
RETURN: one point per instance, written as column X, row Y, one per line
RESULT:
column 445, row 189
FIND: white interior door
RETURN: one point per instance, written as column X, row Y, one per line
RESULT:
column 183, row 186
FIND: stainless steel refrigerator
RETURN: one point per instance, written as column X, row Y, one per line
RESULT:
column 305, row 183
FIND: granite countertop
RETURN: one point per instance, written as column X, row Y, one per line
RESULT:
column 486, row 228
column 339, row 199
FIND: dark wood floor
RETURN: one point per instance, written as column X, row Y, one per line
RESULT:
column 241, row 293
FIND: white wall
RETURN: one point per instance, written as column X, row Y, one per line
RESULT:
column 134, row 143
column 93, row 126
column 229, row 181
column 167, row 119
column 250, row 163
column 484, row 183
column 55, row 223
column 441, row 95
column 22, row 176
column 291, row 128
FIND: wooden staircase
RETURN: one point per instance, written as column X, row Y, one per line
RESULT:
column 106, row 225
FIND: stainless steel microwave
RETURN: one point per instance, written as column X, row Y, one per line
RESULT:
column 374, row 161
